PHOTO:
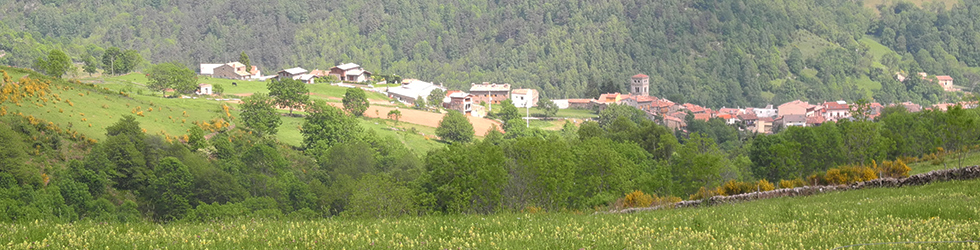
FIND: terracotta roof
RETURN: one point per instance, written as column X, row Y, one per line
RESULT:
column 673, row 119
column 678, row 114
column 661, row 103
column 835, row 106
column 640, row 76
column 702, row 116
column 816, row 119
column 729, row 111
column 645, row 98
column 726, row 116
column 748, row 117
column 694, row 108
column 944, row 78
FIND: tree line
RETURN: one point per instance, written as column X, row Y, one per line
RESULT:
column 342, row 169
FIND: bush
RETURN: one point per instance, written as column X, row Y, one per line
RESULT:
column 637, row 199
column 792, row 183
column 894, row 169
column 733, row 187
column 764, row 185
column 850, row 174
column 703, row 193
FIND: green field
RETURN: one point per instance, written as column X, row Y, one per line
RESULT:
column 971, row 159
column 948, row 211
column 89, row 111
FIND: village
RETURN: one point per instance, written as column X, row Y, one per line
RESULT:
column 479, row 99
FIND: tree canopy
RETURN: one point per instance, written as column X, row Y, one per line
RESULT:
column 259, row 114
column 355, row 101
column 454, row 127
column 172, row 76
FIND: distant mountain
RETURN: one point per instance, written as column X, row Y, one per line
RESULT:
column 709, row 52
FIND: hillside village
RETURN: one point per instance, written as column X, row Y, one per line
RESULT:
column 479, row 99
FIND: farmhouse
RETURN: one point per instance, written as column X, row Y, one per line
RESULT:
column 208, row 68
column 350, row 72
column 412, row 89
column 204, row 89
column 491, row 93
column 524, row 97
column 460, row 101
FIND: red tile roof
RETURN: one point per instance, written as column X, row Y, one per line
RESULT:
column 645, row 98
column 640, row 76
column 944, row 78
column 748, row 117
column 702, row 116
column 835, row 106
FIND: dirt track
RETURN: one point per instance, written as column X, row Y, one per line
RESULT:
column 480, row 125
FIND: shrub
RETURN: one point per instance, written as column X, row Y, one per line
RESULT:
column 792, row 183
column 703, row 193
column 733, row 187
column 764, row 185
column 637, row 199
column 894, row 169
column 850, row 174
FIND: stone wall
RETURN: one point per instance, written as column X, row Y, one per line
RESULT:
column 966, row 173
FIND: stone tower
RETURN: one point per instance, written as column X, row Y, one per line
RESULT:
column 640, row 85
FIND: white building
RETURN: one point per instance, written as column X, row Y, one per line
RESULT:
column 204, row 89
column 208, row 68
column 524, row 97
column 768, row 111
column 411, row 89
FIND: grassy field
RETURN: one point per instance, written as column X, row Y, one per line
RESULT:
column 89, row 111
column 971, row 159
column 937, row 212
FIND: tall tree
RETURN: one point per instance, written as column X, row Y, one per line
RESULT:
column 455, row 127
column 259, row 115
column 109, row 59
column 172, row 75
column 243, row 58
column 56, row 64
column 549, row 107
column 289, row 93
column 171, row 190
column 355, row 101
column 91, row 65
column 326, row 126
column 435, row 98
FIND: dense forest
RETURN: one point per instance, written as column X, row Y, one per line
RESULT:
column 708, row 52
column 342, row 169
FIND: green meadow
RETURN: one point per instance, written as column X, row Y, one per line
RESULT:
column 935, row 216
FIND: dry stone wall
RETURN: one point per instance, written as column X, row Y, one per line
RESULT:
column 966, row 173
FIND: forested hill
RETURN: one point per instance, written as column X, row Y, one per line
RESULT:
column 709, row 52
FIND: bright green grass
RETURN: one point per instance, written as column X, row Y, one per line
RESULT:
column 289, row 133
column 134, row 82
column 102, row 110
column 810, row 44
column 971, row 159
column 946, row 211
column 563, row 113
column 877, row 49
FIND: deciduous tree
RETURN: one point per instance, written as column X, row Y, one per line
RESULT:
column 289, row 93
column 454, row 127
column 172, row 75
column 259, row 115
column 355, row 101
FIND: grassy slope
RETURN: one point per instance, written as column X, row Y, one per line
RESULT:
column 937, row 212
column 168, row 115
column 971, row 159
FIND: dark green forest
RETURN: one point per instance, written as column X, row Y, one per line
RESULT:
column 708, row 52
